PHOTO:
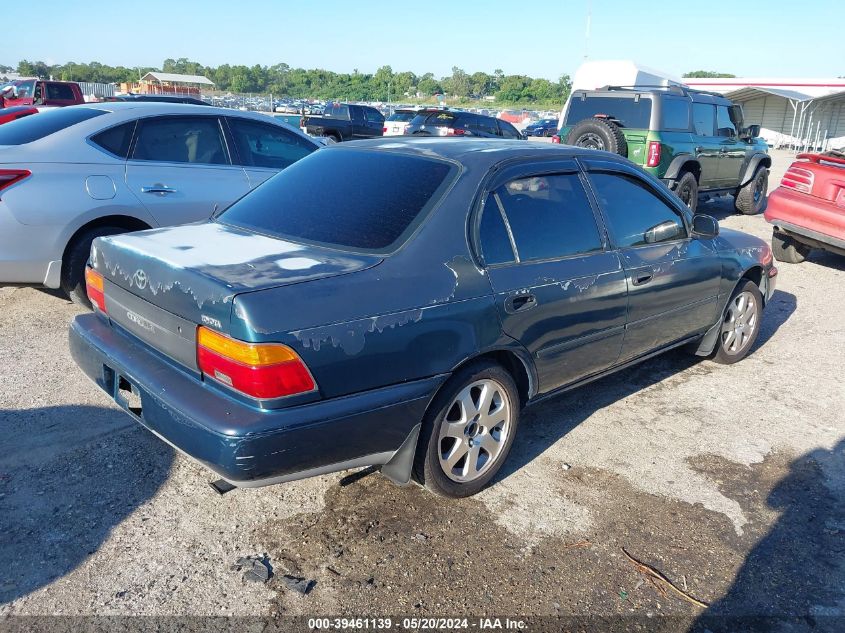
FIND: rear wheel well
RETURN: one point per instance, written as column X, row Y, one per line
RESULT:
column 513, row 365
column 690, row 166
column 121, row 221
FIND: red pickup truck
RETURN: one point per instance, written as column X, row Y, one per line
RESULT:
column 807, row 211
column 40, row 93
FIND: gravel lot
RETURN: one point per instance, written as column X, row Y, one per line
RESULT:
column 730, row 480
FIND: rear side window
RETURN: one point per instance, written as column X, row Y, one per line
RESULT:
column 484, row 124
column 675, row 114
column 508, row 131
column 196, row 140
column 60, row 92
column 337, row 111
column 631, row 209
column 261, row 145
column 549, row 216
column 43, row 124
column 628, row 111
column 115, row 140
column 373, row 204
column 373, row 116
column 703, row 117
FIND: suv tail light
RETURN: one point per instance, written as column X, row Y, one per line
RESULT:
column 384, row 130
column 653, row 154
column 8, row 177
column 95, row 290
column 455, row 131
column 259, row 370
column 798, row 179
column 556, row 138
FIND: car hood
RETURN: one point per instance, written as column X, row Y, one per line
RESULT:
column 195, row 270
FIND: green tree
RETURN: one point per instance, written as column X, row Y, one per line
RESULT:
column 705, row 74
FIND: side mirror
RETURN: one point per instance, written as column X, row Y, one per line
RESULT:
column 752, row 131
column 662, row 232
column 704, row 226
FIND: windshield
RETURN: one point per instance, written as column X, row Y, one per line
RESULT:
column 33, row 128
column 373, row 203
column 337, row 111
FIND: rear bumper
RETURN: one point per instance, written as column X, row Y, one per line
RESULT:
column 807, row 216
column 247, row 446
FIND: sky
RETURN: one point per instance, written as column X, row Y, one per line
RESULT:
column 540, row 39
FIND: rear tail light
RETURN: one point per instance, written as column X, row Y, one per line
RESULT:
column 9, row 177
column 653, row 154
column 95, row 290
column 259, row 370
column 302, row 121
column 556, row 139
column 798, row 179
column 384, row 130
column 455, row 131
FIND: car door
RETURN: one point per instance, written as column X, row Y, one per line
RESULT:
column 732, row 149
column 673, row 278
column 373, row 122
column 559, row 290
column 263, row 149
column 358, row 122
column 707, row 144
column 180, row 168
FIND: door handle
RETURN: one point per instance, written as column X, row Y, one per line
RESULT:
column 520, row 303
column 157, row 189
column 642, row 276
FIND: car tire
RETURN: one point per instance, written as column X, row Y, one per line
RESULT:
column 686, row 188
column 789, row 250
column 454, row 430
column 751, row 197
column 598, row 134
column 740, row 324
column 75, row 260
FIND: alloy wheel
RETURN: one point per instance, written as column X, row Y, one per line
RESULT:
column 740, row 323
column 474, row 431
column 590, row 140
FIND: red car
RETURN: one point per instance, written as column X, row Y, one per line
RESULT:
column 16, row 112
column 807, row 211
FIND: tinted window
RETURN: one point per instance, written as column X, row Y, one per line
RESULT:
column 549, row 216
column 32, row 128
column 495, row 243
column 195, row 140
column 629, row 112
column 60, row 92
column 371, row 203
column 508, row 131
column 485, row 125
column 336, row 111
column 675, row 114
column 702, row 119
column 631, row 208
column 116, row 139
column 402, row 117
column 724, row 125
column 373, row 116
column 261, row 145
column 436, row 119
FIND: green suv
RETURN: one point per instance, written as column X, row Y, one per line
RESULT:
column 694, row 141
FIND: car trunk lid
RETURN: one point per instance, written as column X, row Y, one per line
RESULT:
column 162, row 283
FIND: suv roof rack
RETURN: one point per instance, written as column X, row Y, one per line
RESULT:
column 685, row 90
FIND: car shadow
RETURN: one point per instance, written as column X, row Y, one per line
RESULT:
column 794, row 577
column 68, row 476
column 826, row 259
column 545, row 423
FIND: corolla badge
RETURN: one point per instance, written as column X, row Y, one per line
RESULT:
column 140, row 279
column 140, row 321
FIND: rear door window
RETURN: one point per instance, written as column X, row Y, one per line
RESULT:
column 508, row 130
column 195, row 140
column 629, row 111
column 549, row 216
column 261, row 145
column 493, row 235
column 33, row 128
column 373, row 204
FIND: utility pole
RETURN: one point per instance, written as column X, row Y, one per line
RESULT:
column 587, row 34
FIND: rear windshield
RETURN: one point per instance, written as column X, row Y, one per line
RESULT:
column 630, row 112
column 435, row 119
column 38, row 126
column 372, row 204
column 336, row 111
column 402, row 117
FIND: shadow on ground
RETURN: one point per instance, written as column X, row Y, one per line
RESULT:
column 794, row 577
column 534, row 439
column 68, row 476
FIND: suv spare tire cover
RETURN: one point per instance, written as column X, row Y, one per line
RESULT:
column 598, row 134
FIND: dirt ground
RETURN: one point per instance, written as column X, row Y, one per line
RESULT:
column 728, row 480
